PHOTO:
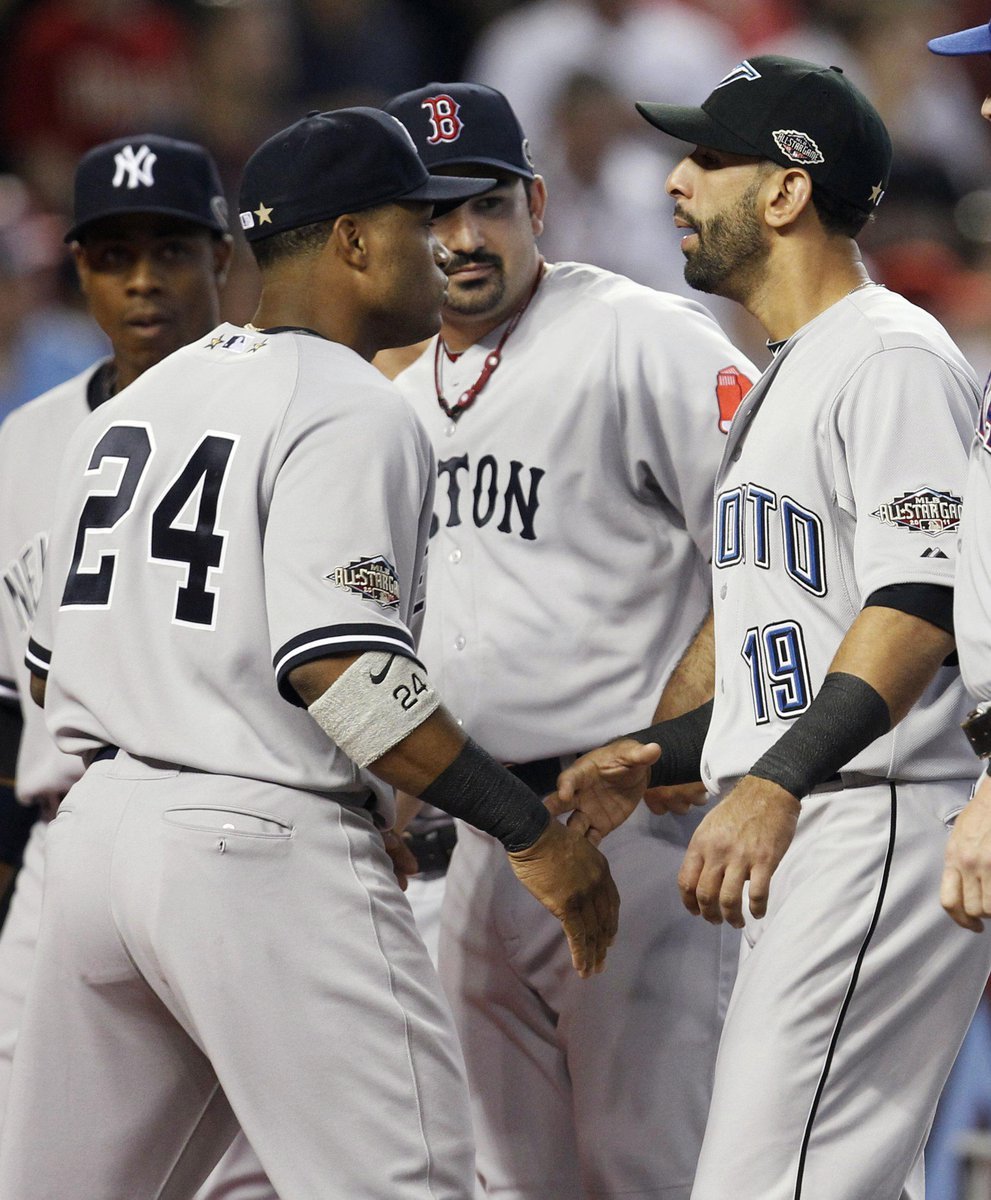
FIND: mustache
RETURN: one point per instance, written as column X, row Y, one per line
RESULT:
column 683, row 216
column 478, row 258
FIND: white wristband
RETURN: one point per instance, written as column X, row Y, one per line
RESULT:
column 379, row 700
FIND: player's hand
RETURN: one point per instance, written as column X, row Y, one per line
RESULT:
column 404, row 862
column 603, row 787
column 679, row 798
column 571, row 879
column 743, row 838
column 965, row 892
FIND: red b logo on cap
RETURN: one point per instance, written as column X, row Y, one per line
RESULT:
column 444, row 120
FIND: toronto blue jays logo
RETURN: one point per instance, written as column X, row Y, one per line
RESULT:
column 742, row 71
column 445, row 124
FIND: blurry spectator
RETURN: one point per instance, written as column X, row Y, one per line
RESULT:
column 881, row 46
column 354, row 52
column 607, row 188
column 662, row 51
column 43, row 341
column 83, row 71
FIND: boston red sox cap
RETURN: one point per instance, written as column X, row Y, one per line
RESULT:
column 329, row 163
column 791, row 112
column 459, row 123
column 967, row 41
column 148, row 173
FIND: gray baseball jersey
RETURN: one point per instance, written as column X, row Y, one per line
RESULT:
column 153, row 564
column 842, row 475
column 585, row 464
column 32, row 442
column 972, row 595
column 568, row 570
column 849, row 480
column 254, row 502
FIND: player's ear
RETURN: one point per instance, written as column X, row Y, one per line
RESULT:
column 223, row 248
column 538, row 202
column 788, row 195
column 349, row 240
column 82, row 267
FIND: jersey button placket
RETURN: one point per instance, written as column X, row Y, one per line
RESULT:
column 460, row 642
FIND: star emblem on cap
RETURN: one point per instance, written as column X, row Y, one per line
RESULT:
column 263, row 214
column 877, row 191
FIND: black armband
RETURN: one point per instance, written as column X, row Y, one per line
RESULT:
column 476, row 789
column 932, row 602
column 846, row 716
column 681, row 740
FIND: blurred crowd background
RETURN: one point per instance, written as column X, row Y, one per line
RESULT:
column 228, row 73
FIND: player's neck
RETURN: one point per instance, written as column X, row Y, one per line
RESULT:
column 800, row 286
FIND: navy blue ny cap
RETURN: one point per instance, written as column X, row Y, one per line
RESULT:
column 967, row 41
column 458, row 123
column 336, row 162
column 791, row 112
column 148, row 173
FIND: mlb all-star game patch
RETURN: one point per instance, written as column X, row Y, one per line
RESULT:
column 924, row 511
column 371, row 578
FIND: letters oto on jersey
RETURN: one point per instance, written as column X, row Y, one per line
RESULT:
column 747, row 531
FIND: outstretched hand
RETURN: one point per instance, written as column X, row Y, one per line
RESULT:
column 571, row 879
column 603, row 787
column 743, row 838
column 966, row 888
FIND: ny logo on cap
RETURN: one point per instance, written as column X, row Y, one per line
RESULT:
column 136, row 166
column 444, row 119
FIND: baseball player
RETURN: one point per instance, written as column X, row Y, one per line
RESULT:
column 832, row 738
column 238, row 537
column 151, row 248
column 966, row 886
column 576, row 421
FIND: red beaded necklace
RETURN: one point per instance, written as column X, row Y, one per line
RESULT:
column 492, row 360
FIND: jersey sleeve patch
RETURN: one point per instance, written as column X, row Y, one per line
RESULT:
column 38, row 660
column 335, row 639
column 925, row 511
column 373, row 578
column 731, row 389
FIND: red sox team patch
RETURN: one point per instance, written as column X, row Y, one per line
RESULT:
column 925, row 511
column 371, row 578
column 731, row 387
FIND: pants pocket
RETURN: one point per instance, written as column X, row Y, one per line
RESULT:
column 229, row 822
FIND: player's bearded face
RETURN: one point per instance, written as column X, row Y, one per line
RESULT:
column 728, row 248
column 471, row 297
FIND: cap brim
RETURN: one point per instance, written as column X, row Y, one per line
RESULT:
column 967, row 41
column 696, row 126
column 448, row 191
column 142, row 210
column 479, row 160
